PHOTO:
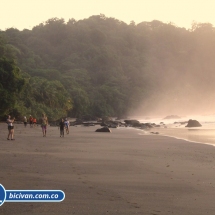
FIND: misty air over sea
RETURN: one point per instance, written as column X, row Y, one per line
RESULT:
column 176, row 128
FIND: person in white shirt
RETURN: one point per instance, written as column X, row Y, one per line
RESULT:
column 67, row 124
column 25, row 121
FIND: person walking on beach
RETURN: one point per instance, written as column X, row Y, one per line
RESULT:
column 44, row 124
column 66, row 123
column 62, row 125
column 31, row 121
column 34, row 122
column 10, row 128
column 25, row 121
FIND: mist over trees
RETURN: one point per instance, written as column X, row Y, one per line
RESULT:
column 101, row 66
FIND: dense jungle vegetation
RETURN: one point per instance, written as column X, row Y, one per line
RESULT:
column 101, row 66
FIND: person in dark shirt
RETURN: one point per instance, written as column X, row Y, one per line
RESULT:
column 10, row 128
column 31, row 121
column 61, row 125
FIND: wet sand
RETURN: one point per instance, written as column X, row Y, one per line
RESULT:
column 200, row 135
column 121, row 172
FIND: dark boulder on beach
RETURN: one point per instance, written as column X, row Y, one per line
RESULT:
column 193, row 123
column 104, row 129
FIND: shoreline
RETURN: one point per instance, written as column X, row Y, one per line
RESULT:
column 118, row 173
column 196, row 135
column 202, row 135
column 199, row 134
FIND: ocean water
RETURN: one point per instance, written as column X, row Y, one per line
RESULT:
column 172, row 128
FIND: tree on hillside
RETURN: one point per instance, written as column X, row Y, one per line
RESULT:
column 11, row 84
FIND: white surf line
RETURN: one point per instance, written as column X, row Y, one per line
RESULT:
column 178, row 138
column 192, row 141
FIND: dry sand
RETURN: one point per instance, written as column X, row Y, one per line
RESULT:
column 121, row 172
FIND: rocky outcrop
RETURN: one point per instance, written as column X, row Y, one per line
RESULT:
column 148, row 125
column 103, row 124
column 132, row 122
column 193, row 123
column 112, row 126
column 88, row 124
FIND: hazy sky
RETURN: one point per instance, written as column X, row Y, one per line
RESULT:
column 29, row 13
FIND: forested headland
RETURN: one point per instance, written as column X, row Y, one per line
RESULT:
column 102, row 66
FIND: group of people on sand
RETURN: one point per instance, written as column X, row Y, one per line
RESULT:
column 64, row 124
column 32, row 121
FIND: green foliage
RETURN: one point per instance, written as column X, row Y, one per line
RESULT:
column 11, row 84
column 43, row 96
column 102, row 66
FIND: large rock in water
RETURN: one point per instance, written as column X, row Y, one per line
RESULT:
column 193, row 123
column 104, row 129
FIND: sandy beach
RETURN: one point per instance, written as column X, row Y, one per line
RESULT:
column 123, row 172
